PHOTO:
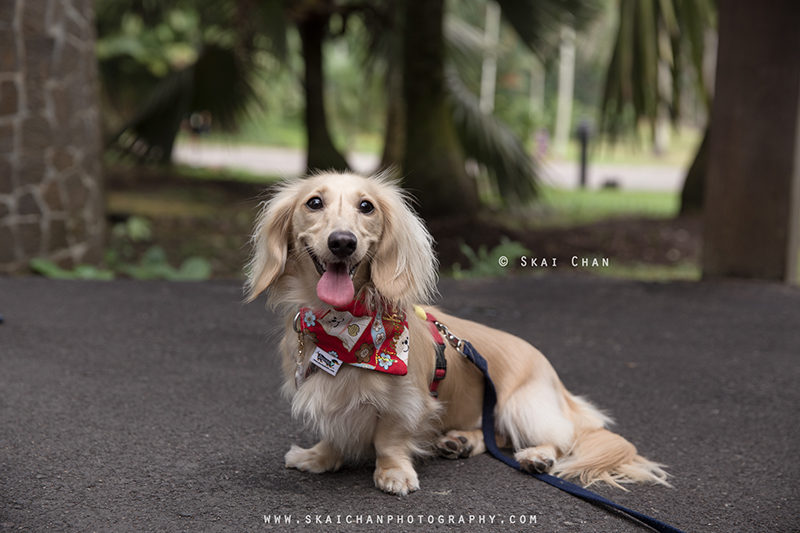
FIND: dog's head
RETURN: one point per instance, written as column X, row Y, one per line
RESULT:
column 329, row 236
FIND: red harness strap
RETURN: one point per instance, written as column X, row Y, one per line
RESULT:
column 441, row 361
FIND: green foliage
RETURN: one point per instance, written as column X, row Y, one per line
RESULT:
column 488, row 264
column 170, row 45
column 154, row 265
column 49, row 269
column 162, row 62
column 125, row 238
column 137, row 229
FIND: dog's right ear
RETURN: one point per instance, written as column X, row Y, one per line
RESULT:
column 270, row 242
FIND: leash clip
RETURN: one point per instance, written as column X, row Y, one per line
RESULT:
column 454, row 341
column 298, row 372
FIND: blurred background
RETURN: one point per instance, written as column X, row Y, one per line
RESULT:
column 137, row 136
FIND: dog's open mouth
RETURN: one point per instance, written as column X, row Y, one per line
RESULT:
column 335, row 285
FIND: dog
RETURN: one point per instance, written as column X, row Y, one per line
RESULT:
column 330, row 241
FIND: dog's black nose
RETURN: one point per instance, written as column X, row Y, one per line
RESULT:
column 342, row 243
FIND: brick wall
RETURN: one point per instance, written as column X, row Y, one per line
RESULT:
column 51, row 201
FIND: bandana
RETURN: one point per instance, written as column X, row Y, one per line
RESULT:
column 354, row 335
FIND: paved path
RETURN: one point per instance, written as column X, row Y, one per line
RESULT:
column 154, row 406
column 288, row 162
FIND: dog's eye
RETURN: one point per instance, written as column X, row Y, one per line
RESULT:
column 315, row 204
column 366, row 207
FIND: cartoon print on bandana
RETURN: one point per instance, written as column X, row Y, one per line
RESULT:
column 345, row 327
column 378, row 333
column 401, row 347
column 385, row 361
column 364, row 353
column 342, row 332
column 332, row 322
column 390, row 351
column 309, row 318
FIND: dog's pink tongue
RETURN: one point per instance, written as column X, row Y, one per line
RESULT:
column 335, row 286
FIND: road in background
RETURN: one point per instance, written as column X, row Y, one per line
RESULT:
column 290, row 162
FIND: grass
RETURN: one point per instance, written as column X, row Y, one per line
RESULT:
column 645, row 272
column 223, row 174
column 157, row 204
column 564, row 208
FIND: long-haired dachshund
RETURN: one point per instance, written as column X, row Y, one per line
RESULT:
column 347, row 260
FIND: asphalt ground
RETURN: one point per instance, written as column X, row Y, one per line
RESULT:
column 149, row 406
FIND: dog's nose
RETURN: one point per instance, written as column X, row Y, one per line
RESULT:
column 342, row 243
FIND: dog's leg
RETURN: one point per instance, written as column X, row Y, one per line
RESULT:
column 455, row 444
column 394, row 468
column 537, row 459
column 321, row 458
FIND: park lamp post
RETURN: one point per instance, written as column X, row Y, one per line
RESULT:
column 584, row 132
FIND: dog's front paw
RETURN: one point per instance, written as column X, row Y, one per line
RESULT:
column 318, row 459
column 396, row 480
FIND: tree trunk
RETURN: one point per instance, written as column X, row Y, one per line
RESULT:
column 692, row 195
column 394, row 140
column 566, row 91
column 322, row 154
column 751, row 211
column 433, row 164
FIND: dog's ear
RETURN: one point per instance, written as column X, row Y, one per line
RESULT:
column 404, row 265
column 270, row 242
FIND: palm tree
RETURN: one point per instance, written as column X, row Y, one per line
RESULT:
column 433, row 123
column 654, row 33
column 443, row 120
column 218, row 80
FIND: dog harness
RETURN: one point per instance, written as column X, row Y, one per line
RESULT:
column 340, row 336
column 438, row 345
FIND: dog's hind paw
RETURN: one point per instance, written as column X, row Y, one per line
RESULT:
column 396, row 480
column 538, row 460
column 318, row 459
column 457, row 444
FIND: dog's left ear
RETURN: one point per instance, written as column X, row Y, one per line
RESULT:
column 270, row 242
column 404, row 266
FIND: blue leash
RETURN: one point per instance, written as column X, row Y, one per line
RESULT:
column 489, row 402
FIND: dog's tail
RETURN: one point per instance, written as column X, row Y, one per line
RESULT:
column 598, row 455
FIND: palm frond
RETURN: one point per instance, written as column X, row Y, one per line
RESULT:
column 272, row 26
column 466, row 45
column 491, row 143
column 653, row 32
column 538, row 22
column 218, row 83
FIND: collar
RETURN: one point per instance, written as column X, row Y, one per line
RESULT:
column 356, row 335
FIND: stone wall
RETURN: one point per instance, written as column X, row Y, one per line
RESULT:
column 51, row 201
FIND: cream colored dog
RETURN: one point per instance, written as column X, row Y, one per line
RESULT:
column 322, row 241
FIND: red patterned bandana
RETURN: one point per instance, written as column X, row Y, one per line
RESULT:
column 355, row 336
